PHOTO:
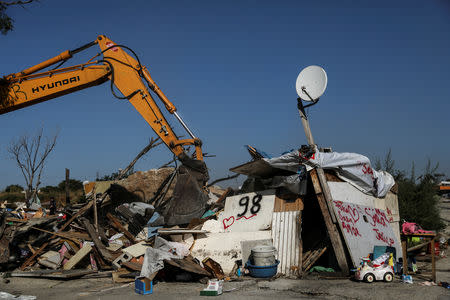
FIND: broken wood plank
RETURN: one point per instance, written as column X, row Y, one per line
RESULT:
column 187, row 264
column 225, row 194
column 102, row 234
column 31, row 248
column 333, row 232
column 16, row 220
column 60, row 274
column 315, row 258
column 282, row 205
column 117, row 278
column 82, row 210
column 75, row 236
column 326, row 193
column 306, row 255
column 116, row 224
column 310, row 257
column 74, row 260
column 132, row 265
column 98, row 244
column 94, row 204
column 214, row 268
column 103, row 265
column 418, row 246
column 73, row 247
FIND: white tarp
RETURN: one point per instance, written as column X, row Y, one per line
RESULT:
column 351, row 167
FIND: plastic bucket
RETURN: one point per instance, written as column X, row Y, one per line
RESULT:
column 263, row 255
column 262, row 272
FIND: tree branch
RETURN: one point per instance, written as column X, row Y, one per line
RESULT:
column 152, row 144
column 16, row 2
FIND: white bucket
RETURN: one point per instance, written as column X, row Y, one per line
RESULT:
column 263, row 255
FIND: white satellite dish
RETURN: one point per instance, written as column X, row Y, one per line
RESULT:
column 311, row 83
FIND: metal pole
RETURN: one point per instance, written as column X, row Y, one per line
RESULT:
column 305, row 123
column 184, row 125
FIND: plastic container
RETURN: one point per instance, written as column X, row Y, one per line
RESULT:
column 263, row 255
column 262, row 271
column 143, row 286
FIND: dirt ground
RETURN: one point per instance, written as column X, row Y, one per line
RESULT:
column 103, row 288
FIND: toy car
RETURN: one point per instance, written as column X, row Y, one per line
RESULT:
column 370, row 273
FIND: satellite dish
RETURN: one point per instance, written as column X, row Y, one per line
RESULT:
column 311, row 83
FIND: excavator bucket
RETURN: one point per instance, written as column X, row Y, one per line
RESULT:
column 189, row 199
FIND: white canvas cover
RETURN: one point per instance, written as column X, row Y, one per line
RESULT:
column 351, row 167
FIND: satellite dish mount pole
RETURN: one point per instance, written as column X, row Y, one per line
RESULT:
column 304, row 118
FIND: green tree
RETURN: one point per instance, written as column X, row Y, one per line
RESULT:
column 74, row 185
column 417, row 197
column 14, row 188
column 49, row 189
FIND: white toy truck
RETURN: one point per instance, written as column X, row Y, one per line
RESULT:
column 369, row 272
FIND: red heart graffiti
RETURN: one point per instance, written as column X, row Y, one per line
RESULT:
column 225, row 221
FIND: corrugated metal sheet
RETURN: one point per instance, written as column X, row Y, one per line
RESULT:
column 286, row 238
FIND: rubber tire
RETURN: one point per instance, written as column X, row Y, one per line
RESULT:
column 388, row 277
column 369, row 277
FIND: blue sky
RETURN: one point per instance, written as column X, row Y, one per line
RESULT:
column 230, row 68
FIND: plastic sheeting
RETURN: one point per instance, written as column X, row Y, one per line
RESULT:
column 154, row 257
column 351, row 167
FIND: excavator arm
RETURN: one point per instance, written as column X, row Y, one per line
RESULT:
column 133, row 80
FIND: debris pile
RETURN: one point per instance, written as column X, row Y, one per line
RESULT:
column 107, row 236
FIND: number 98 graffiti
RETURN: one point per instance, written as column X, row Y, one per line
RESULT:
column 255, row 207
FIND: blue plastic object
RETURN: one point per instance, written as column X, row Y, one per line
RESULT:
column 143, row 286
column 380, row 250
column 262, row 271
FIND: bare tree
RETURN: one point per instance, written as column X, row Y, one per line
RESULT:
column 30, row 154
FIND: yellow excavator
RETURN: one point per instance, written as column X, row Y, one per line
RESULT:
column 133, row 80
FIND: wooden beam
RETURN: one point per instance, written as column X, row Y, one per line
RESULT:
column 74, row 260
column 300, row 245
column 31, row 248
column 67, row 235
column 326, row 192
column 224, row 195
column 98, row 244
column 315, row 258
column 116, row 223
column 336, row 240
column 94, row 203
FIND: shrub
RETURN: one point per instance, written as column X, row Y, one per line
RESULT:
column 417, row 196
column 13, row 188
